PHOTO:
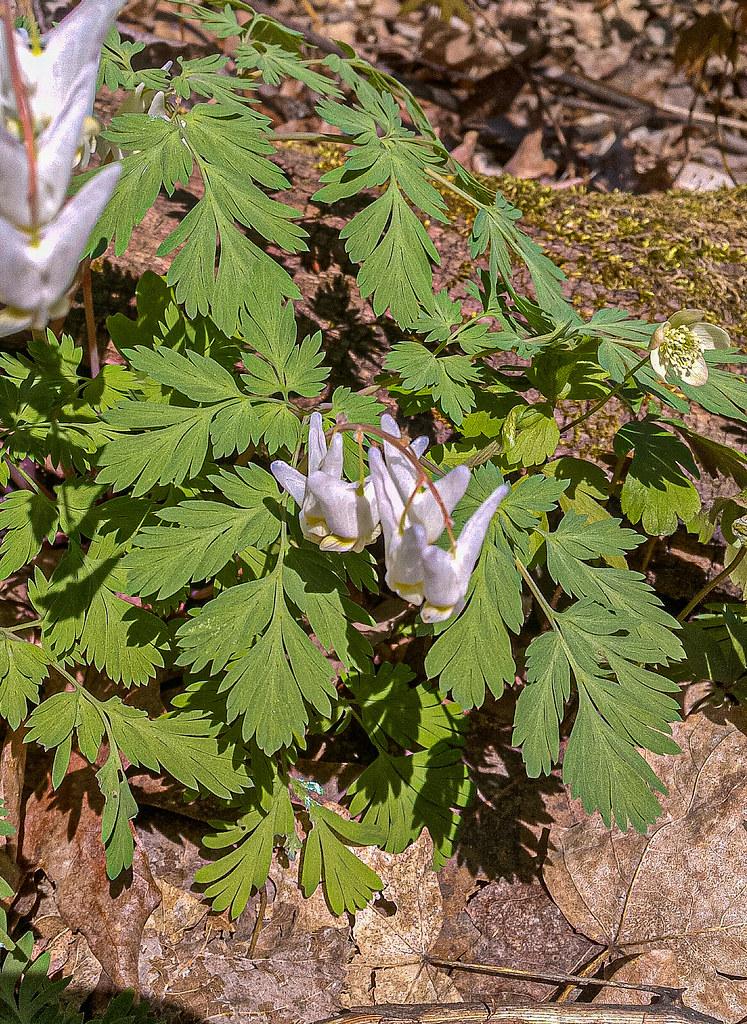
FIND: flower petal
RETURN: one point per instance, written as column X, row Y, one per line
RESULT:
column 657, row 365
column 426, row 510
column 388, row 498
column 290, row 480
column 685, row 317
column 331, row 464
column 444, row 581
column 697, row 374
column 711, row 336
column 317, row 445
column 56, row 150
column 404, row 564
column 347, row 513
column 473, row 532
column 13, row 320
column 64, row 239
column 71, row 47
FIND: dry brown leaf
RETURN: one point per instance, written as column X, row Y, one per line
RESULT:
column 62, row 836
column 394, row 933
column 672, row 905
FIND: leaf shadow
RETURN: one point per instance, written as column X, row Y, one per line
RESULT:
column 504, row 831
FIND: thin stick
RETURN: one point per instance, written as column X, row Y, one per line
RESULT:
column 93, row 349
column 23, row 109
column 551, row 979
column 583, row 976
column 261, row 910
column 712, row 584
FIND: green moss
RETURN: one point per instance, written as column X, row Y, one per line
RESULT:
column 651, row 254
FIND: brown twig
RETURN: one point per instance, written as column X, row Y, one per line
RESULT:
column 23, row 109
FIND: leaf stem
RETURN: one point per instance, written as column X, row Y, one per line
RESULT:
column 31, row 624
column 93, row 349
column 606, row 398
column 542, row 601
column 712, row 584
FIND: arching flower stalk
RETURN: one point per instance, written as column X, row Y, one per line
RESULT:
column 400, row 501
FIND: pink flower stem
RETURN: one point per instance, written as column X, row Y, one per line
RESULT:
column 23, row 109
column 422, row 479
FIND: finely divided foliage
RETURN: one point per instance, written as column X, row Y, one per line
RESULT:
column 164, row 549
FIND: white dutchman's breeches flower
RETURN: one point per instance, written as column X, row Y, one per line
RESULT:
column 35, row 274
column 422, row 507
column 335, row 514
column 41, row 237
column 447, row 574
column 416, row 569
column 403, row 543
column 342, row 516
column 68, row 58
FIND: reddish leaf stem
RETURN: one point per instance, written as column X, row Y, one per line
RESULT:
column 23, row 109
column 93, row 349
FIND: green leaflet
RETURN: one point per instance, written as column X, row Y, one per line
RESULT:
column 27, row 994
column 725, row 392
column 473, row 653
column 530, row 435
column 231, row 879
column 601, row 643
column 577, row 541
column 387, row 238
column 176, row 439
column 412, row 716
column 274, row 672
column 184, row 744
column 348, row 883
column 657, row 492
column 85, row 620
column 47, row 409
column 400, row 796
column 495, row 230
column 448, row 378
column 119, row 810
column 205, row 535
column 23, row 668
column 29, row 518
column 622, row 706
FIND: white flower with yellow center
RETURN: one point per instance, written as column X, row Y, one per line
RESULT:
column 678, row 345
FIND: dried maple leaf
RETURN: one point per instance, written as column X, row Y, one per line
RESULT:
column 390, row 965
column 671, row 905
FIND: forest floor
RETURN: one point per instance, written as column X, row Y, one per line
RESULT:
column 570, row 101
